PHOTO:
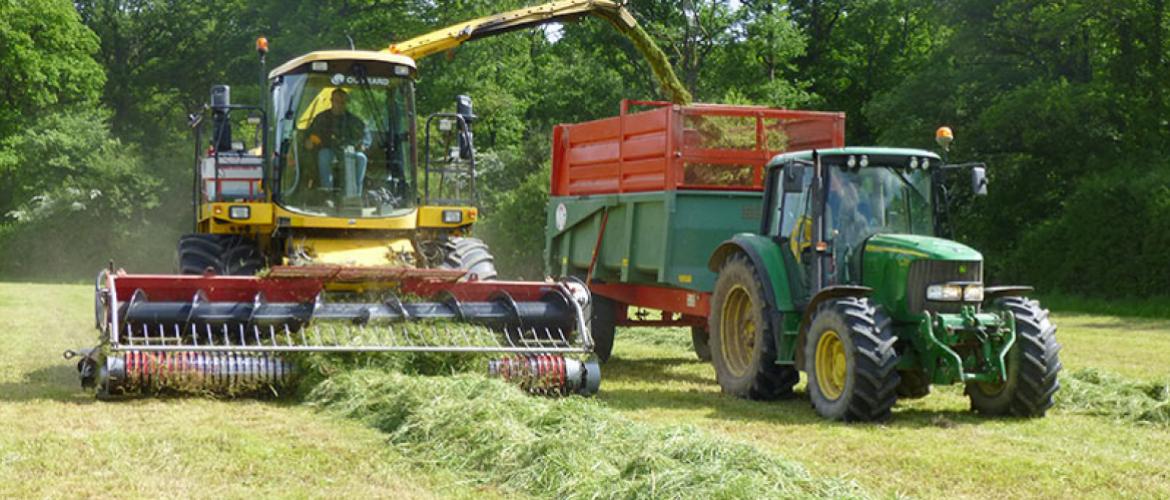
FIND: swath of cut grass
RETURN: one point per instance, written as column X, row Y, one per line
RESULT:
column 1096, row 392
column 573, row 447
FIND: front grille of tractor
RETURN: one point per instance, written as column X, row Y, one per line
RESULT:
column 924, row 273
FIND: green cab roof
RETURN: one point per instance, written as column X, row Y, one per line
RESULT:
column 877, row 155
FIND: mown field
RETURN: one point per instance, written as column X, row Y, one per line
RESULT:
column 57, row 441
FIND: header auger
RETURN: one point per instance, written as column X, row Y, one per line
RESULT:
column 233, row 334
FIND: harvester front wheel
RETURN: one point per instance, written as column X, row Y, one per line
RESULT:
column 742, row 343
column 1032, row 365
column 850, row 360
column 603, row 325
column 471, row 255
column 227, row 255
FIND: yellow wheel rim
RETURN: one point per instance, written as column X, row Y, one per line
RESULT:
column 737, row 331
column 831, row 366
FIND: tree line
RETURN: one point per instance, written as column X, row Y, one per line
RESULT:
column 1064, row 100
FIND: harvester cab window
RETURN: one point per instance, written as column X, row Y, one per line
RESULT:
column 346, row 142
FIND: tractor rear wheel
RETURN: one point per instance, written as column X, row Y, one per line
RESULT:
column 1032, row 365
column 700, row 338
column 471, row 255
column 742, row 343
column 850, row 360
column 226, row 255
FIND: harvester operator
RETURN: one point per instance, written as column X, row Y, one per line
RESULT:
column 338, row 131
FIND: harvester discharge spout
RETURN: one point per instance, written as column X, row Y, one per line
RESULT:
column 240, row 334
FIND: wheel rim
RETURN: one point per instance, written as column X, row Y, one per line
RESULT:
column 831, row 365
column 737, row 331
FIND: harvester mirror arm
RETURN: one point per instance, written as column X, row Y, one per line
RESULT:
column 448, row 38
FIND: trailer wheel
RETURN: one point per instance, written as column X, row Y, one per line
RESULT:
column 700, row 338
column 1032, row 366
column 851, row 361
column 742, row 343
column 603, row 325
column 472, row 255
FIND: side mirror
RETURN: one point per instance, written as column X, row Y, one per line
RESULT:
column 793, row 181
column 979, row 181
column 464, row 110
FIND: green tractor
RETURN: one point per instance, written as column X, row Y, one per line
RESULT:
column 850, row 281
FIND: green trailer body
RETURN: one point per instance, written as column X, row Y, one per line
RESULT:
column 652, row 238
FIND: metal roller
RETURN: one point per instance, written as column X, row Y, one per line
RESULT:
column 549, row 374
column 233, row 373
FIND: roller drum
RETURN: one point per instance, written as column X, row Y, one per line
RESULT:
column 132, row 372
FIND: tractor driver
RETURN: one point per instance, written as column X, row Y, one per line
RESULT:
column 337, row 132
column 850, row 217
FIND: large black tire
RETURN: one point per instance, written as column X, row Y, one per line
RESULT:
column 700, row 340
column 227, row 255
column 471, row 255
column 603, row 325
column 851, row 362
column 742, row 343
column 1032, row 365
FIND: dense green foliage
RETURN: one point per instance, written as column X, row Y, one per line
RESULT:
column 1065, row 101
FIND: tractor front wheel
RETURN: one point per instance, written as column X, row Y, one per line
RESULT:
column 1032, row 365
column 742, row 343
column 851, row 362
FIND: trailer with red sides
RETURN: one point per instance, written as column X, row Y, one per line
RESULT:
column 639, row 201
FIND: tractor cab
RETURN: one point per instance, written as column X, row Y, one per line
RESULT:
column 344, row 134
column 852, row 216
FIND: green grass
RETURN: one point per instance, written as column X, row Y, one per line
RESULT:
column 1106, row 438
column 935, row 447
column 57, row 441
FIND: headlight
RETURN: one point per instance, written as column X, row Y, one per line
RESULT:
column 973, row 293
column 944, row 292
column 239, row 212
column 452, row 216
column 953, row 292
